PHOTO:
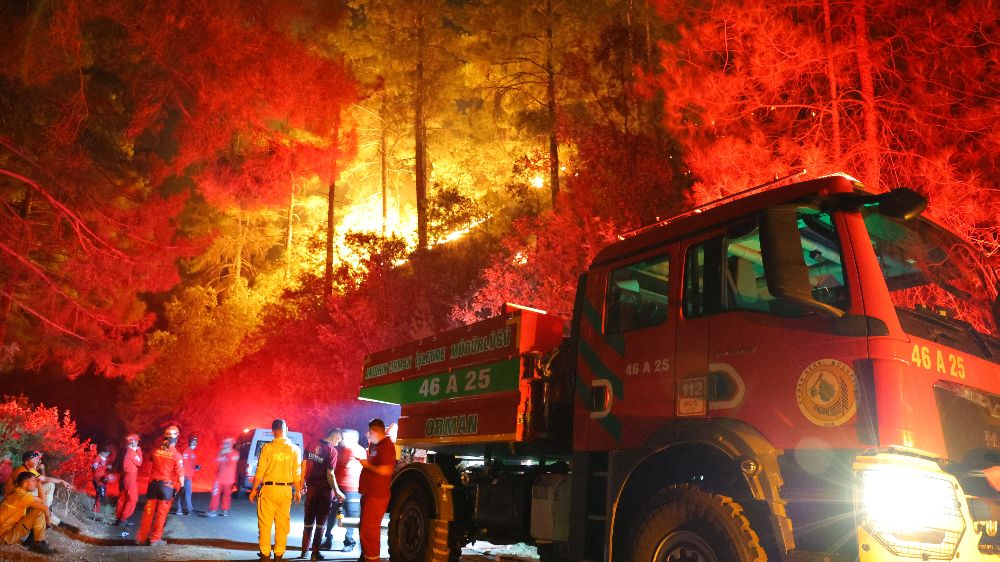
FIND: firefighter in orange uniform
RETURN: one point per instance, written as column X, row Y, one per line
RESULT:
column 128, row 486
column 165, row 479
column 99, row 469
column 376, row 475
column 277, row 482
column 228, row 460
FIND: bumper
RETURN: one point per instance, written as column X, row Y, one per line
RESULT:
column 909, row 509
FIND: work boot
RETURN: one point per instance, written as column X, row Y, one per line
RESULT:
column 304, row 554
column 317, row 556
column 279, row 556
column 327, row 543
column 42, row 547
column 263, row 556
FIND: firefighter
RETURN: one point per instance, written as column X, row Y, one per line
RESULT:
column 190, row 467
column 99, row 472
column 165, row 478
column 320, row 484
column 348, row 473
column 376, row 474
column 24, row 516
column 31, row 461
column 277, row 482
column 224, row 479
column 128, row 485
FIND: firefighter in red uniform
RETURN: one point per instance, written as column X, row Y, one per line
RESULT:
column 224, row 479
column 128, row 485
column 165, row 479
column 99, row 466
column 376, row 474
column 190, row 467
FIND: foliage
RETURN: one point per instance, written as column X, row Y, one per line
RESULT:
column 450, row 212
column 541, row 261
column 896, row 94
column 24, row 427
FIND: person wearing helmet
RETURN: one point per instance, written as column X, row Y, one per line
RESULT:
column 165, row 478
column 225, row 477
column 190, row 467
column 31, row 462
column 99, row 475
column 128, row 485
column 277, row 482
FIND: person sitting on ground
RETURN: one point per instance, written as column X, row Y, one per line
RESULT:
column 23, row 516
column 46, row 490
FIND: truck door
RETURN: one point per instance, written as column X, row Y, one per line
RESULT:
column 627, row 353
column 789, row 373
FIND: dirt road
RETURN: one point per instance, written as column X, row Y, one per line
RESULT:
column 195, row 538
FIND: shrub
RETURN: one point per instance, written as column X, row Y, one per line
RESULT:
column 24, row 426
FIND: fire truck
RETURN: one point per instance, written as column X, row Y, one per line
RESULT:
column 798, row 372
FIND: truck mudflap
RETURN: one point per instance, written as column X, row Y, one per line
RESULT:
column 907, row 508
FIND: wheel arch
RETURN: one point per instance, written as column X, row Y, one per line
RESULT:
column 730, row 457
column 431, row 480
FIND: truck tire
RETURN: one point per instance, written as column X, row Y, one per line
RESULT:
column 414, row 534
column 686, row 524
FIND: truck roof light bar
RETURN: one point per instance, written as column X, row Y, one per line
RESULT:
column 766, row 186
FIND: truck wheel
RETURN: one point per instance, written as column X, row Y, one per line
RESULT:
column 414, row 534
column 687, row 524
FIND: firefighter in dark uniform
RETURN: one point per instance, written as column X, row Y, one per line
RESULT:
column 320, row 485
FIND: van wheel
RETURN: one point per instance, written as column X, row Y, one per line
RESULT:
column 687, row 524
column 414, row 534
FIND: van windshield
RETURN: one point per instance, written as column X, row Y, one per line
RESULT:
column 933, row 276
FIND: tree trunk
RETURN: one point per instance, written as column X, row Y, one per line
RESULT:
column 238, row 260
column 831, row 75
column 420, row 136
column 550, row 91
column 866, row 73
column 384, row 164
column 627, row 79
column 288, row 241
column 7, row 297
column 331, row 197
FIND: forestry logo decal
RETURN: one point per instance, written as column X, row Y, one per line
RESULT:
column 825, row 393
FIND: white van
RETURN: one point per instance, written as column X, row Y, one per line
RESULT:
column 249, row 444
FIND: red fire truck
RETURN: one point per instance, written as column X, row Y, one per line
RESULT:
column 804, row 372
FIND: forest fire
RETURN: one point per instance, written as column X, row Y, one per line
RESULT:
column 217, row 209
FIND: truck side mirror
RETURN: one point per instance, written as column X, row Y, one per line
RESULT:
column 784, row 265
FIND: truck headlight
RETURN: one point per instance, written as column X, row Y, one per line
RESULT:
column 912, row 513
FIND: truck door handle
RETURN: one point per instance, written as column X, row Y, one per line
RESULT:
column 600, row 398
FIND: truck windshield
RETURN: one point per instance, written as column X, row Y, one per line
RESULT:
column 935, row 279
